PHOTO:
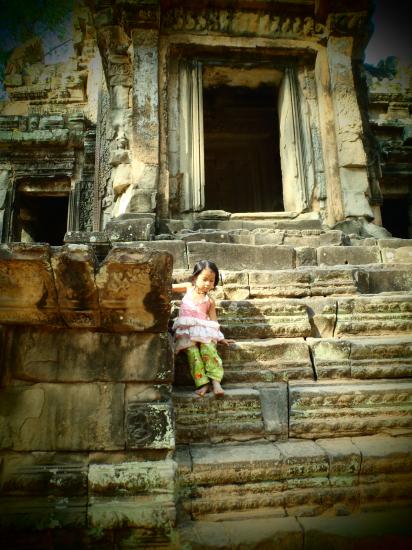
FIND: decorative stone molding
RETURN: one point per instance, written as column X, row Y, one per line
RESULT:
column 128, row 293
column 347, row 24
column 240, row 23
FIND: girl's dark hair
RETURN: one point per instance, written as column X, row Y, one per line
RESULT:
column 205, row 264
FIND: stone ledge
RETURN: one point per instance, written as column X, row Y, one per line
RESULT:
column 362, row 357
column 61, row 286
column 336, row 409
column 296, row 477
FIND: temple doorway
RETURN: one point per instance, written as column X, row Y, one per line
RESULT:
column 241, row 147
column 40, row 214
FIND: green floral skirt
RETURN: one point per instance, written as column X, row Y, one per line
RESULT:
column 205, row 363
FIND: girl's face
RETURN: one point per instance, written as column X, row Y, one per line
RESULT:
column 205, row 281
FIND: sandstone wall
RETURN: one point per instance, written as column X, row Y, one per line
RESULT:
column 86, row 429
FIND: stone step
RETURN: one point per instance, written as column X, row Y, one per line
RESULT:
column 351, row 408
column 267, row 235
column 326, row 317
column 242, row 414
column 295, row 477
column 258, row 362
column 390, row 528
column 362, row 358
column 271, row 255
column 298, row 409
column 308, row 281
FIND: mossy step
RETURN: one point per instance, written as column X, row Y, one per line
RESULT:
column 295, row 477
column 242, row 414
column 258, row 361
column 326, row 317
column 390, row 528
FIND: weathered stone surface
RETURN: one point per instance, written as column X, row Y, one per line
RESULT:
column 332, row 237
column 374, row 315
column 58, row 474
column 344, row 459
column 146, row 512
column 46, row 417
column 274, row 404
column 40, row 513
column 326, row 282
column 353, row 255
column 401, row 255
column 133, row 286
column 382, row 454
column 73, row 269
column 39, row 355
column 257, row 361
column 302, row 477
column 337, row 410
column 263, row 318
column 269, row 532
column 130, row 227
column 288, row 283
column 394, row 243
column 267, row 236
column 237, row 256
column 132, row 478
column 235, row 285
column 268, row 360
column 322, row 316
column 381, row 358
column 174, row 247
column 27, row 291
column 305, row 256
column 206, row 235
column 360, row 531
column 331, row 358
column 149, row 424
column 228, row 463
column 237, row 417
column 363, row 358
column 390, row 280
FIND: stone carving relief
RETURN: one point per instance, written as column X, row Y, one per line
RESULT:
column 114, row 133
column 149, row 425
column 240, row 23
column 346, row 23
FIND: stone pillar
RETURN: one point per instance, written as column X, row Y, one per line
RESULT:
column 4, row 182
column 410, row 212
column 351, row 155
column 145, row 99
column 334, row 206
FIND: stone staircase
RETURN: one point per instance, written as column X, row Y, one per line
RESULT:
column 317, row 414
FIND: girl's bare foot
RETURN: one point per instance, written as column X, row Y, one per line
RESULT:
column 203, row 390
column 217, row 388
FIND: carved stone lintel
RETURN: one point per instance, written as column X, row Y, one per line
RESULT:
column 240, row 23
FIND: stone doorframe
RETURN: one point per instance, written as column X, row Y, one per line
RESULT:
column 186, row 143
column 42, row 186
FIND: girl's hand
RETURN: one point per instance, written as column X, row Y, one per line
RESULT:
column 227, row 341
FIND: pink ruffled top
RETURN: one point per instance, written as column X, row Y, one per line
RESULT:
column 193, row 323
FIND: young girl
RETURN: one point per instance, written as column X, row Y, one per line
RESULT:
column 197, row 331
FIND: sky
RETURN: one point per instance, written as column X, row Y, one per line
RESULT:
column 392, row 34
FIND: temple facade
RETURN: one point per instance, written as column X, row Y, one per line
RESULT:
column 249, row 132
column 168, row 111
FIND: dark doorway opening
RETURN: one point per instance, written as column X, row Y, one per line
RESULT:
column 40, row 218
column 241, row 144
column 395, row 216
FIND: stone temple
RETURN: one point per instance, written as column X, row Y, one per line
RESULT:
column 248, row 132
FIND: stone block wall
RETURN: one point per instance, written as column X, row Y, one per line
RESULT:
column 86, row 424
